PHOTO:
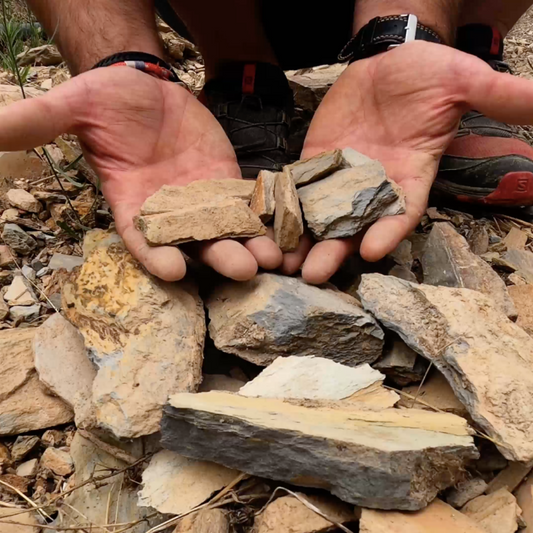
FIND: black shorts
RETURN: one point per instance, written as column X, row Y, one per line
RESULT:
column 301, row 35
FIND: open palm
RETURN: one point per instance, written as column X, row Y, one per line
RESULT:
column 403, row 108
column 140, row 133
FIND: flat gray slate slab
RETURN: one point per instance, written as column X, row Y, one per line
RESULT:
column 486, row 358
column 389, row 459
column 448, row 261
column 274, row 315
column 344, row 203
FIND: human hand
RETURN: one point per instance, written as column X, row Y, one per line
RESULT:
column 403, row 108
column 139, row 133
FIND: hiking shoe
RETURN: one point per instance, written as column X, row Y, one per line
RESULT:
column 254, row 105
column 488, row 162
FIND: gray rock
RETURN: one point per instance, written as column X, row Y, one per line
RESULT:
column 28, row 313
column 486, row 358
column 387, row 459
column 68, row 262
column 18, row 240
column 23, row 446
column 29, row 273
column 344, row 203
column 274, row 315
column 448, row 261
column 522, row 262
column 466, row 491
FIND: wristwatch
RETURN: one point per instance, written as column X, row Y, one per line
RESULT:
column 383, row 33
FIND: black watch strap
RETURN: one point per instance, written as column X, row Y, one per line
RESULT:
column 383, row 33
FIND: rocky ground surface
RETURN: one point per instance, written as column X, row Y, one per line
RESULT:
column 417, row 398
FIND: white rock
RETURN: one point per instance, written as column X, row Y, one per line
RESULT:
column 24, row 200
column 28, row 469
column 26, row 313
column 20, row 293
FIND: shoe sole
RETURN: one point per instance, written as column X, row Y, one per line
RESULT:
column 514, row 189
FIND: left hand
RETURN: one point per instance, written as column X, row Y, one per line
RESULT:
column 403, row 108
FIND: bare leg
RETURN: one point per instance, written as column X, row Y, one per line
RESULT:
column 503, row 14
column 87, row 32
column 226, row 31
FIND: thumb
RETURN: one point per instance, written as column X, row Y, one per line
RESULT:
column 35, row 121
column 501, row 96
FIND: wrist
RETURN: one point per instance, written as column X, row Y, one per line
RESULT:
column 439, row 15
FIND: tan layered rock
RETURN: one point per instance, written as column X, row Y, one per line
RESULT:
column 24, row 200
column 176, row 198
column 70, row 376
column 437, row 518
column 30, row 524
column 173, row 484
column 509, row 478
column 288, row 223
column 486, row 358
column 341, row 449
column 289, row 515
column 263, row 202
column 522, row 296
column 448, row 261
column 58, row 461
column 205, row 521
column 524, row 498
column 516, row 239
column 344, row 203
column 144, row 335
column 496, row 513
column 226, row 219
column 466, row 491
column 309, row 170
column 274, row 315
column 20, row 292
column 25, row 403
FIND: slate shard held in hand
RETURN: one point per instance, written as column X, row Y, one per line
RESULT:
column 346, row 202
column 230, row 218
column 275, row 315
column 448, row 261
column 344, row 450
column 263, row 202
column 309, row 170
column 288, row 223
column 486, row 358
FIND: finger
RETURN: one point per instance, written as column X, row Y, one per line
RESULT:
column 265, row 251
column 36, row 121
column 326, row 257
column 292, row 261
column 165, row 262
column 385, row 235
column 499, row 95
column 229, row 258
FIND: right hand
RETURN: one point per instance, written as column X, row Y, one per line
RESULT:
column 139, row 133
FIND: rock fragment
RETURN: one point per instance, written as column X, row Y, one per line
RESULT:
column 516, row 239
column 226, row 219
column 68, row 262
column 310, row 378
column 448, row 261
column 263, row 202
column 401, row 364
column 220, row 382
column 522, row 296
column 466, row 491
column 274, row 315
column 175, row 198
column 25, row 403
column 509, row 478
column 435, row 392
column 288, row 223
column 4, row 310
column 497, row 513
column 310, row 170
column 173, row 484
column 28, row 469
column 486, row 358
column 289, row 515
column 344, row 203
column 18, row 240
column 144, row 335
column 437, row 518
column 45, row 55
column 27, row 313
column 24, row 445
column 58, row 461
column 20, row 293
column 6, row 257
column 205, row 521
column 24, row 200
column 343, row 450
column 70, row 376
column 521, row 261
column 30, row 524
column 524, row 498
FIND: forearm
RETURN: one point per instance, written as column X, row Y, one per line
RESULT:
column 86, row 31
column 440, row 15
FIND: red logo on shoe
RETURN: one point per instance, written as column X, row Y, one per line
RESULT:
column 248, row 79
column 516, row 188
